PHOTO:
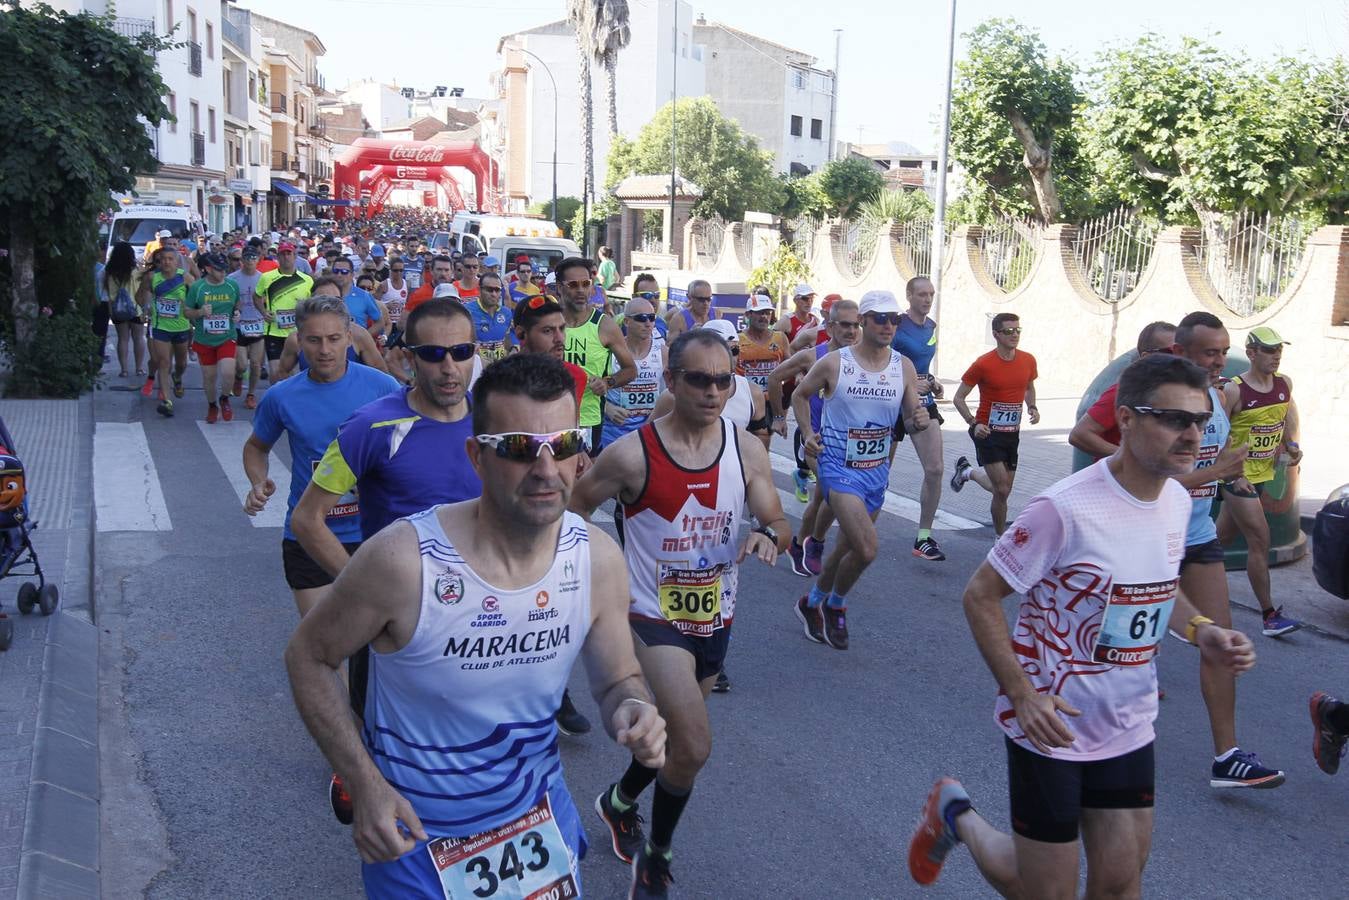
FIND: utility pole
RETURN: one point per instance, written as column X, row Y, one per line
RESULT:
column 943, row 148
column 833, row 96
column 674, row 105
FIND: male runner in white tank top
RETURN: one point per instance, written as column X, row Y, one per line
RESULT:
column 684, row 481
column 474, row 613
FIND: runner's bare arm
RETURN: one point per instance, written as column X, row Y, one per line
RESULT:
column 382, row 326
column 256, row 459
column 958, row 401
column 1036, row 713
column 915, row 413
column 612, row 337
column 290, row 358
column 1086, row 436
column 1030, row 403
column 821, row 377
column 761, row 496
column 664, row 406
column 377, row 596
column 1227, row 647
column 806, row 337
column 368, row 350
column 1288, row 446
column 626, row 707
column 617, row 471
column 786, row 370
column 309, row 521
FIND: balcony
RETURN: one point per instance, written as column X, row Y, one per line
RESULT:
column 278, row 102
column 198, row 149
column 318, row 129
column 132, row 28
column 194, row 58
column 280, row 161
column 235, row 34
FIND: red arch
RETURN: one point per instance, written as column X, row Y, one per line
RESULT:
column 366, row 153
column 381, row 179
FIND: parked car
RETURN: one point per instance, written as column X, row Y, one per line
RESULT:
column 1330, row 544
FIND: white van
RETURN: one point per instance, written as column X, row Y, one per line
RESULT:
column 475, row 232
column 544, row 252
column 138, row 223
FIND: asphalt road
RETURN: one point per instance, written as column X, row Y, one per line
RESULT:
column 820, row 763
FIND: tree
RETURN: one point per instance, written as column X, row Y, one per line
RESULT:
column 567, row 208
column 1010, row 100
column 848, row 183
column 602, row 30
column 803, row 196
column 782, row 271
column 76, row 104
column 897, row 206
column 712, row 152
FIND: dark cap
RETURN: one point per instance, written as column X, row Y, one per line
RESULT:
column 251, row 252
column 215, row 261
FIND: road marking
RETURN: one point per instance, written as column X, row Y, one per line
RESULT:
column 127, row 495
column 226, row 440
column 894, row 504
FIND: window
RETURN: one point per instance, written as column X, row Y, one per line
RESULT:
column 195, row 116
column 798, row 79
column 796, row 126
column 816, row 129
column 172, row 102
column 192, row 25
column 210, row 123
column 210, row 41
column 252, row 85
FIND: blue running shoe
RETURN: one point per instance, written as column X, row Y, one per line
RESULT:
column 802, row 486
column 1276, row 624
column 1244, row 770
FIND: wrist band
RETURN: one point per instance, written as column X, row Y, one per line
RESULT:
column 634, row 700
column 1193, row 627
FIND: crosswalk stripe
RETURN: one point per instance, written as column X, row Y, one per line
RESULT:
column 127, row 495
column 226, row 440
column 896, row 505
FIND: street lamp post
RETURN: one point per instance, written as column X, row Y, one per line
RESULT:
column 554, row 83
column 943, row 152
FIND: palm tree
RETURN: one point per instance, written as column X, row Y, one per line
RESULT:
column 602, row 30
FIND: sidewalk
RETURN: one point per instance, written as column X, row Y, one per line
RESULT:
column 48, row 693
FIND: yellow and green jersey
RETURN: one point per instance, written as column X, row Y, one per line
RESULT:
column 282, row 293
column 585, row 349
column 1258, row 423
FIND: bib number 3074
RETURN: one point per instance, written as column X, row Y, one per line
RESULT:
column 524, row 860
column 1134, row 622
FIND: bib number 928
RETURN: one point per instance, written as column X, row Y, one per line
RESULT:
column 510, row 867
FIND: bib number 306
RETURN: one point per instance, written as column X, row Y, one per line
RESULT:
column 524, row 860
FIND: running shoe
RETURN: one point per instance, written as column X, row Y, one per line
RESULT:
column 651, row 876
column 1244, row 770
column 814, row 555
column 251, row 401
column 625, row 828
column 926, row 548
column 340, row 801
column 263, row 374
column 810, row 476
column 958, row 478
column 149, row 387
column 835, row 626
column 798, row 555
column 226, row 411
column 811, row 618
column 238, row 388
column 722, row 685
column 933, row 838
column 569, row 718
column 165, row 408
column 802, row 487
column 212, row 413
column 178, row 390
column 1327, row 743
column 1276, row 624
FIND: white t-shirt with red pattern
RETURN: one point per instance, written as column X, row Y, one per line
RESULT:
column 1083, row 546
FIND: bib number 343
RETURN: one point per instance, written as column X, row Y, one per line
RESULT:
column 524, row 860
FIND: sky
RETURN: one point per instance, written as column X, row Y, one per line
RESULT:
column 891, row 64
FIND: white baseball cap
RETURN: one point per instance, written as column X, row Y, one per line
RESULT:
column 759, row 303
column 445, row 290
column 722, row 327
column 878, row 302
column 163, row 233
column 803, row 290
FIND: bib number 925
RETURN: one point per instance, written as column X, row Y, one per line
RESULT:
column 510, row 866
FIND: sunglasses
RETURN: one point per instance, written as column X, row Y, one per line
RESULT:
column 1150, row 352
column 843, row 323
column 707, row 299
column 523, row 446
column 1176, row 419
column 886, row 318
column 489, row 290
column 648, row 295
column 434, row 353
column 396, row 269
column 578, row 284
column 643, row 317
column 339, row 271
column 1016, row 330
column 1270, row 350
column 704, row 380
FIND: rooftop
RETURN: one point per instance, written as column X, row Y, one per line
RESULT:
column 655, row 187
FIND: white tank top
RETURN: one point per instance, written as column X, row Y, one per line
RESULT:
column 639, row 395
column 740, row 405
column 460, row 721
column 859, row 417
column 395, row 299
column 681, row 537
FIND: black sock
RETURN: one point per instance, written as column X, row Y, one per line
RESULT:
column 635, row 780
column 666, row 808
column 1338, row 717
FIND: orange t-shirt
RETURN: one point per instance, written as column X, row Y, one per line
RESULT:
column 1002, row 387
column 417, row 297
column 465, row 293
column 757, row 361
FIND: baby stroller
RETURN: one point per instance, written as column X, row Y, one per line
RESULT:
column 17, row 556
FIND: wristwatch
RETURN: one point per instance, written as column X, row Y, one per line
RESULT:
column 768, row 533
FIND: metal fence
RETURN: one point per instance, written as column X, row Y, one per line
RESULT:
column 132, row 28
column 860, row 241
column 1008, row 248
column 803, row 236
column 1113, row 251
column 1250, row 257
column 708, row 237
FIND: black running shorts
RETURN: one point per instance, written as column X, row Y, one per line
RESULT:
column 709, row 653
column 998, row 447
column 274, row 346
column 301, row 571
column 1048, row 795
column 1207, row 552
column 934, row 417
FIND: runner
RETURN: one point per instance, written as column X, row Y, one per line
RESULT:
column 212, row 306
column 592, row 338
column 467, row 269
column 1085, row 653
column 916, row 340
column 541, row 327
column 164, row 294
column 747, row 407
column 308, row 410
column 803, row 315
column 698, row 313
column 865, row 389
column 761, row 347
column 251, row 327
column 512, row 578
column 365, row 311
column 628, row 408
column 1096, row 433
column 807, row 552
column 280, row 292
column 1202, row 339
column 1005, row 377
column 646, row 287
column 492, row 322
column 1264, row 419
column 442, row 272
column 394, row 293
column 1330, row 718
column 684, row 481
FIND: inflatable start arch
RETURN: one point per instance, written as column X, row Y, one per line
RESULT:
column 368, row 153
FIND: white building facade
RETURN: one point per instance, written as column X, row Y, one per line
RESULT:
column 248, row 121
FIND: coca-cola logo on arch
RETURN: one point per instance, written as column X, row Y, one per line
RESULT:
column 416, row 154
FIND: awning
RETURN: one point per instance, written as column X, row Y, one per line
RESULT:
column 327, row 201
column 287, row 188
